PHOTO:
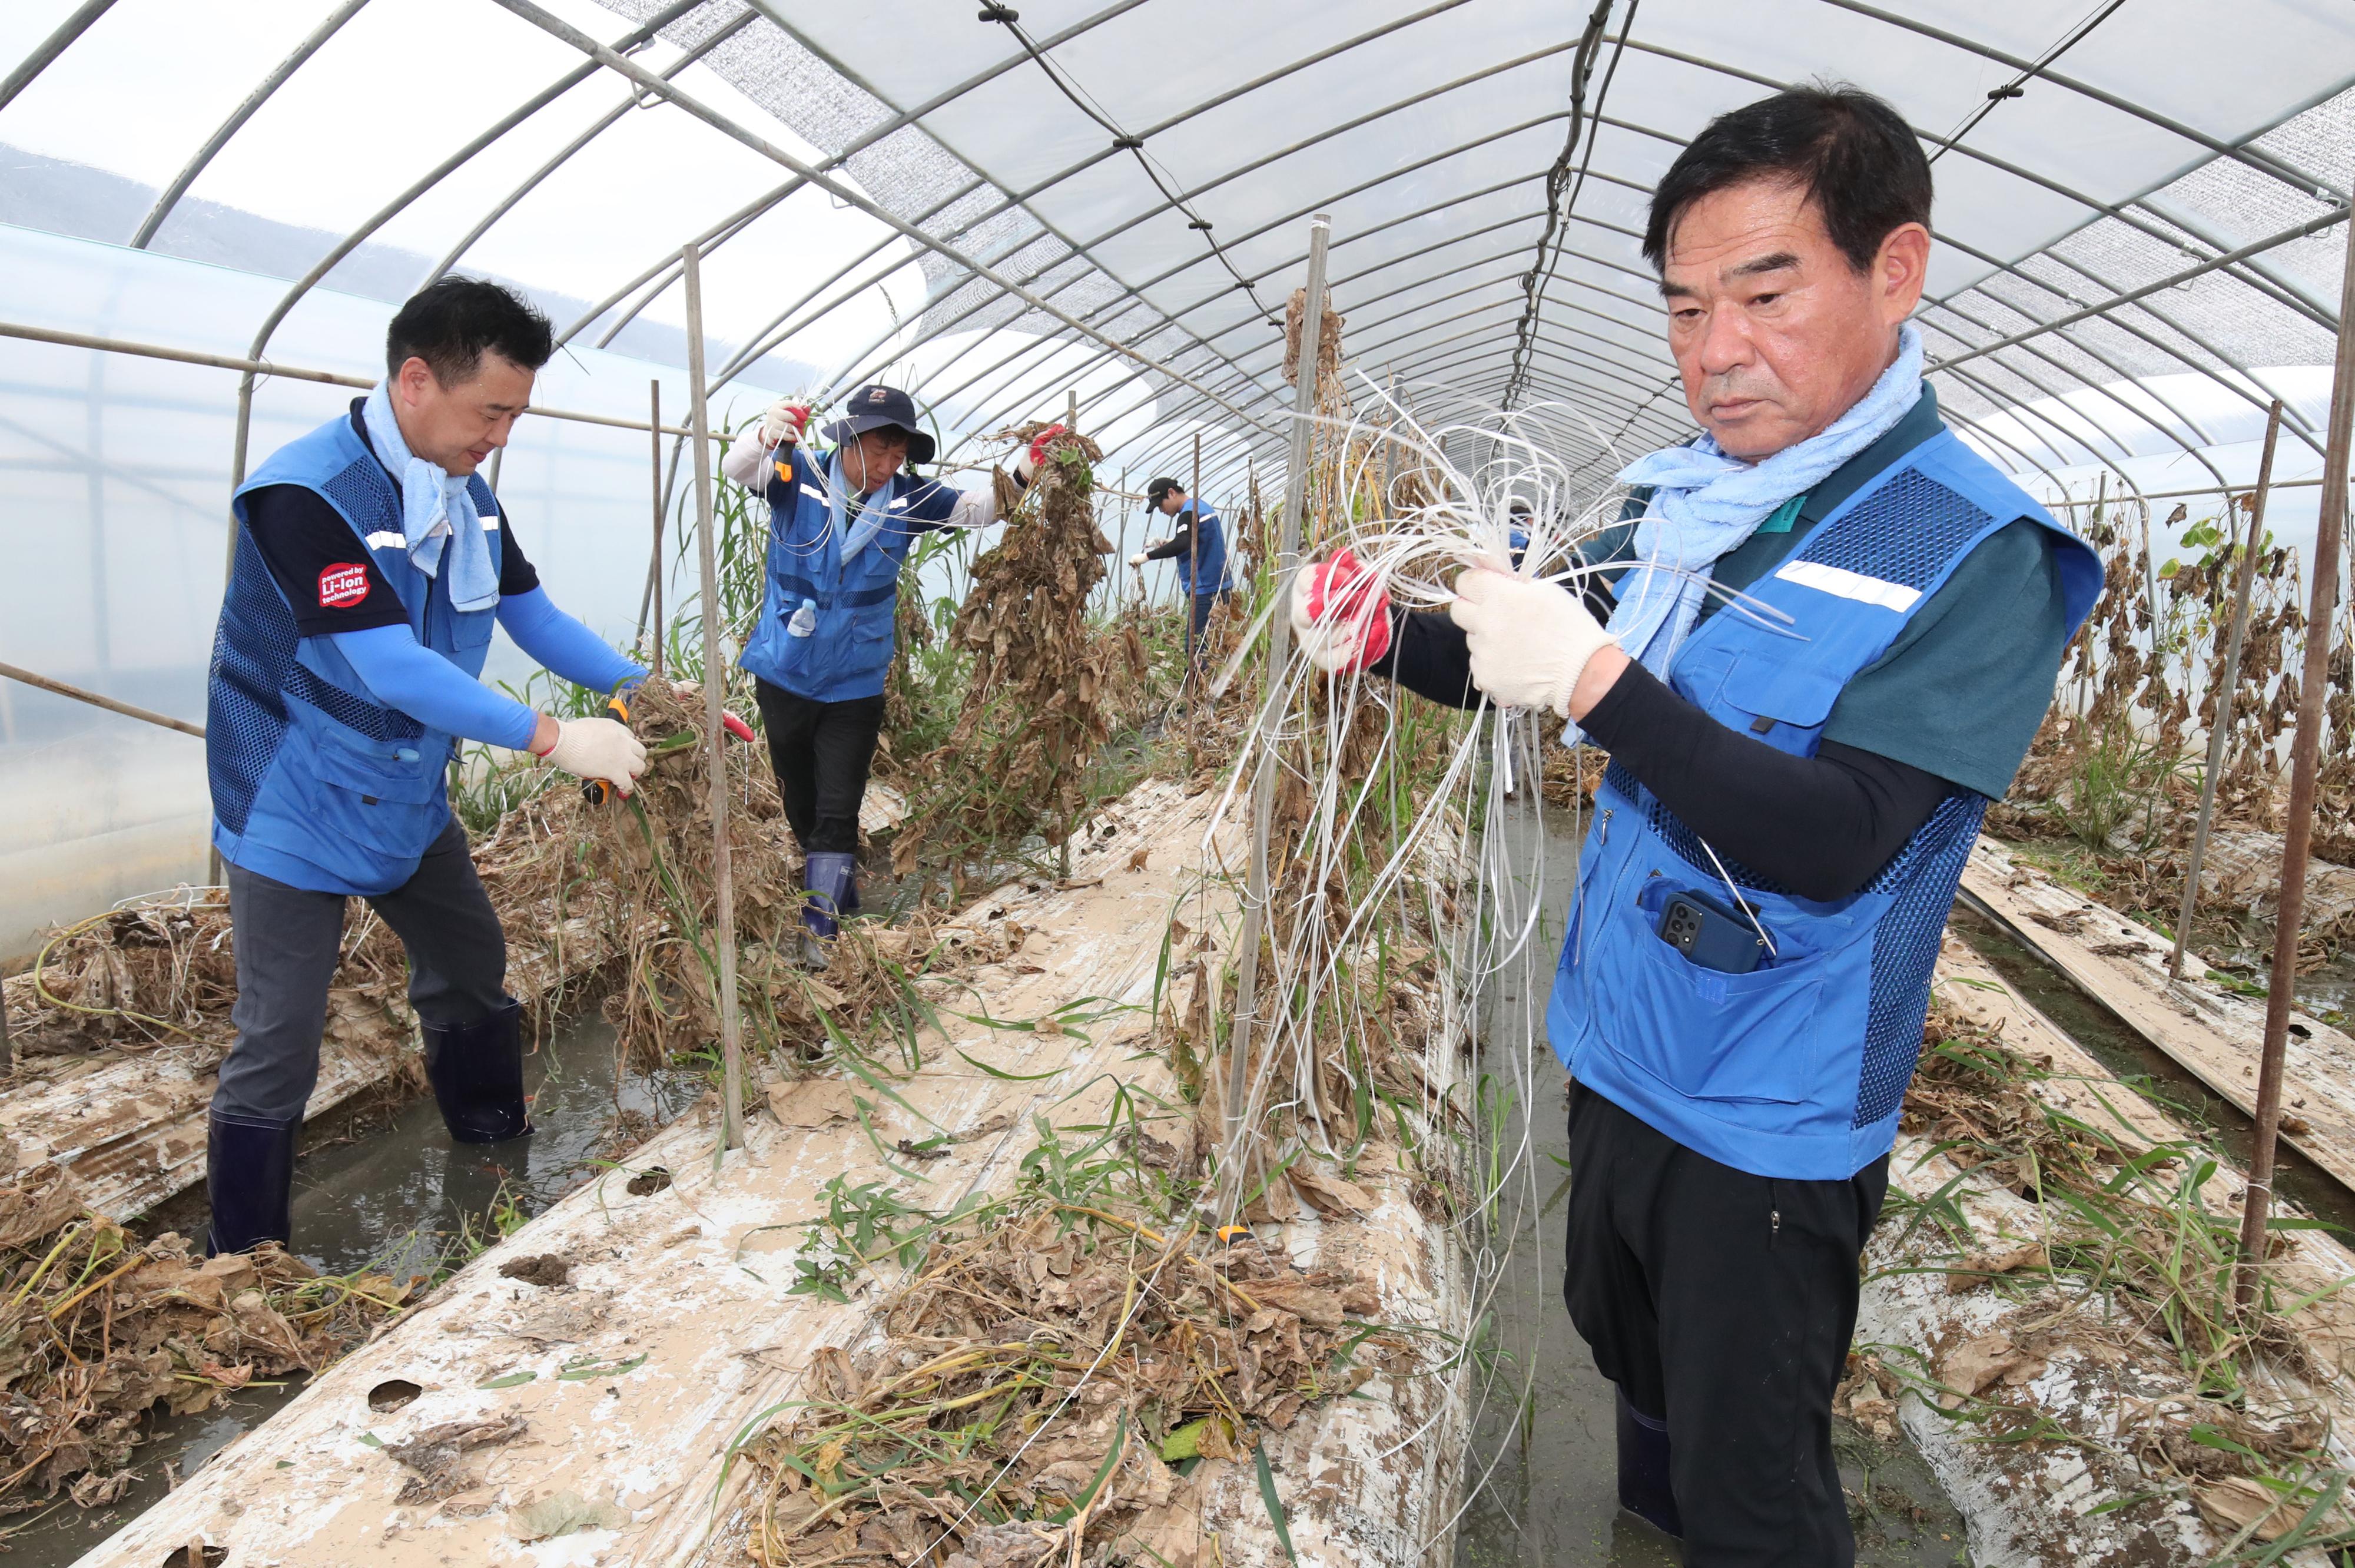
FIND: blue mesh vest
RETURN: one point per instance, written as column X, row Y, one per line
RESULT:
column 315, row 783
column 1205, row 572
column 848, row 653
column 1797, row 1069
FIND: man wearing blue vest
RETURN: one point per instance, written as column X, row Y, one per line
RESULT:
column 840, row 524
column 372, row 562
column 1796, row 778
column 1199, row 549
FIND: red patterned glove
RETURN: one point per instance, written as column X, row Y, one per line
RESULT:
column 735, row 726
column 1026, row 467
column 1341, row 618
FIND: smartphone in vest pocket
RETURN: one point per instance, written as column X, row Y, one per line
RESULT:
column 1710, row 935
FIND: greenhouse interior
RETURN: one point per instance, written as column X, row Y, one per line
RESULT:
column 1112, row 783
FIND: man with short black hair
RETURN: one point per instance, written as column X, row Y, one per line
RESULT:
column 1199, row 549
column 372, row 561
column 1795, row 786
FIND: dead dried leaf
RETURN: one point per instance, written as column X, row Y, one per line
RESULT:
column 810, row 1102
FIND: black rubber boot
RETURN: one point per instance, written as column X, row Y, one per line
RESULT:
column 1643, row 1488
column 477, row 1069
column 249, row 1177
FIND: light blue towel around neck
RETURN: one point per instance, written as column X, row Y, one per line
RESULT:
column 434, row 510
column 874, row 510
column 1705, row 504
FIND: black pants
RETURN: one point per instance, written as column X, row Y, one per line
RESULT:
column 289, row 941
column 821, row 752
column 1197, row 626
column 1723, row 1302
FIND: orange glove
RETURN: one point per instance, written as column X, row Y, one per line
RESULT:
column 1341, row 618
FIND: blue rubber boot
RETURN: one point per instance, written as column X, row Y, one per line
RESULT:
column 831, row 881
column 477, row 1069
column 1643, row 1488
column 249, row 1177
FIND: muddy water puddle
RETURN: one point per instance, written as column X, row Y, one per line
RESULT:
column 1543, row 1454
column 401, row 1198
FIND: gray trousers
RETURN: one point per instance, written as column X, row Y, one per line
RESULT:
column 288, row 942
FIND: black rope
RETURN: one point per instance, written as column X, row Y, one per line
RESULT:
column 1122, row 141
column 1557, row 181
column 2017, row 86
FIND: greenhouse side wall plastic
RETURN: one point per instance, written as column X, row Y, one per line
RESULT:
column 113, row 508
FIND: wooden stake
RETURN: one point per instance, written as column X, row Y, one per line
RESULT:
column 652, row 597
column 1278, row 653
column 2219, row 727
column 715, row 684
column 2297, row 838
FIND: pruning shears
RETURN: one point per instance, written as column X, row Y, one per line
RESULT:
column 597, row 791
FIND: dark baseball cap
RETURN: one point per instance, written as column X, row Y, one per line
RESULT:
column 880, row 407
column 1160, row 487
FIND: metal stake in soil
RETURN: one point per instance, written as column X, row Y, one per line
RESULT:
column 2219, row 727
column 2298, row 836
column 1279, row 652
column 715, row 691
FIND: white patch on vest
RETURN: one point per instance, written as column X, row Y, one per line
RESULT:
column 812, row 495
column 384, row 538
column 1853, row 585
column 491, row 523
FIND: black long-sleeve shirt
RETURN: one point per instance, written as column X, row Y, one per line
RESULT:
column 1821, row 826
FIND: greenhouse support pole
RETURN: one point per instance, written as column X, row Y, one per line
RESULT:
column 1194, row 550
column 652, row 594
column 2220, row 727
column 2298, row 836
column 715, row 691
column 60, row 689
column 1279, row 654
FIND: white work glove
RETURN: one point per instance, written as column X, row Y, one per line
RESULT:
column 1341, row 621
column 598, row 749
column 1529, row 640
column 1137, row 559
column 783, row 423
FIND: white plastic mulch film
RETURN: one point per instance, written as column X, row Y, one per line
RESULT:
column 2137, row 216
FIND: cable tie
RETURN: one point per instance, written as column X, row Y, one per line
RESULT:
column 1127, row 144
column 2000, row 93
column 1005, row 13
column 1201, row 223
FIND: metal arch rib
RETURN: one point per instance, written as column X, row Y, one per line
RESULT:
column 172, row 193
column 604, row 123
column 433, row 176
column 769, row 9
column 859, row 144
column 60, row 39
column 555, row 27
column 2321, row 314
column 2256, row 158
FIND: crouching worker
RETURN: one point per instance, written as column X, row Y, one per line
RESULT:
column 1794, row 787
column 841, row 521
column 1199, row 549
column 371, row 564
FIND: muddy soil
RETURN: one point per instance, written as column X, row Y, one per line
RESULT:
column 394, row 1190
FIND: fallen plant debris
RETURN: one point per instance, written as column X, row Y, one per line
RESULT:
column 1045, row 681
column 1046, row 1374
column 98, row 1327
column 2101, row 1322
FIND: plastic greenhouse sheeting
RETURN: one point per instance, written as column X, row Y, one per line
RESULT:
column 2137, row 225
